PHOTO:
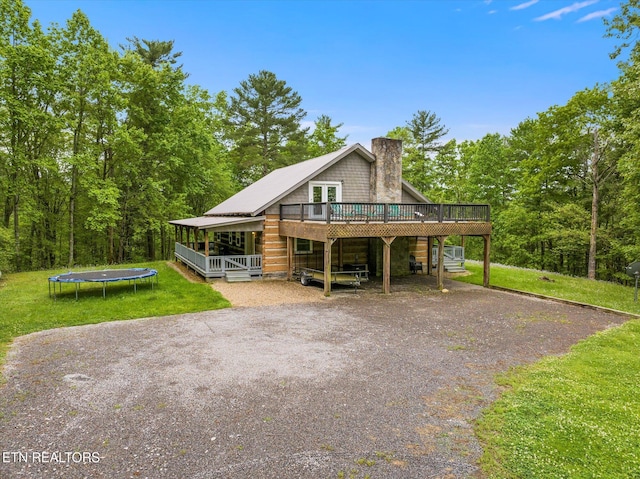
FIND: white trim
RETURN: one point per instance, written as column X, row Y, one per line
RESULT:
column 325, row 185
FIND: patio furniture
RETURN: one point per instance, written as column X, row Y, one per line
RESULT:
column 414, row 266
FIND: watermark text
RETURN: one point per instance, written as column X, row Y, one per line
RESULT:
column 50, row 457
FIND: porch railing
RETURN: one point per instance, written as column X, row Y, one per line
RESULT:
column 451, row 253
column 385, row 212
column 217, row 266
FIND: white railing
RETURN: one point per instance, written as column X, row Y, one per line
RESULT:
column 217, row 266
column 451, row 253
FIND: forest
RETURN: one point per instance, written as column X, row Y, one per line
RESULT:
column 101, row 146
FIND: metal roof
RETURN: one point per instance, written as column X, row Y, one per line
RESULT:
column 257, row 197
column 207, row 222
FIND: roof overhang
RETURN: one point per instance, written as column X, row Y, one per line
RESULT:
column 223, row 223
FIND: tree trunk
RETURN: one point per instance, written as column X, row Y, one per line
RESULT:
column 72, row 209
column 111, row 258
column 591, row 270
column 16, row 231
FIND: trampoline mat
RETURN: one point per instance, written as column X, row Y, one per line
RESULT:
column 105, row 275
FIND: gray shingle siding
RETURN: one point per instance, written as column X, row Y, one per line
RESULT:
column 352, row 170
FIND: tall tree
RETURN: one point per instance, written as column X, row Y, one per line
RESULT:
column 87, row 71
column 426, row 130
column 625, row 27
column 264, row 126
column 324, row 138
column 154, row 52
column 28, row 129
column 421, row 142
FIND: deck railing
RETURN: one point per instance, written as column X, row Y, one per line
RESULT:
column 384, row 212
column 217, row 266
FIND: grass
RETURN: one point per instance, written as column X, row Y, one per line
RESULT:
column 598, row 293
column 25, row 305
column 574, row 416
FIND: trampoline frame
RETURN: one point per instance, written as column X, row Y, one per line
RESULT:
column 103, row 276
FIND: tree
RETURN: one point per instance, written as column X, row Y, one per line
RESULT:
column 28, row 129
column 324, row 138
column 154, row 52
column 264, row 126
column 426, row 132
column 625, row 27
column 421, row 142
column 492, row 172
column 87, row 70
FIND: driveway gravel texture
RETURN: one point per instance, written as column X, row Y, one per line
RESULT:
column 357, row 385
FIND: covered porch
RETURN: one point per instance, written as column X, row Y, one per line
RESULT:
column 329, row 223
column 218, row 247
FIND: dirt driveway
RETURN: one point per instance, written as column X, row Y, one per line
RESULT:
column 361, row 385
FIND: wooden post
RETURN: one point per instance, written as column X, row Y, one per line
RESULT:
column 196, row 234
column 290, row 242
column 486, row 262
column 188, row 230
column 430, row 255
column 440, row 270
column 327, row 266
column 340, row 253
column 386, row 263
column 206, row 242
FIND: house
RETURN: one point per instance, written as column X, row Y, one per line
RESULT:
column 350, row 207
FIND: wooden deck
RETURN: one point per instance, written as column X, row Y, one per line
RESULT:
column 328, row 222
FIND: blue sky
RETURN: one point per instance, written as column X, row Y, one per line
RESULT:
column 482, row 66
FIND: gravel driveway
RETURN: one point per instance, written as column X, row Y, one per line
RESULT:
column 361, row 385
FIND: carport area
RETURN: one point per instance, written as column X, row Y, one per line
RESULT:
column 358, row 385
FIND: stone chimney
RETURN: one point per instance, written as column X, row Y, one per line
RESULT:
column 386, row 171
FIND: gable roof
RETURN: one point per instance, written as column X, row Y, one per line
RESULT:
column 258, row 196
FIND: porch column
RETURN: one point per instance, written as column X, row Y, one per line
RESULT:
column 196, row 234
column 429, row 255
column 327, row 266
column 386, row 263
column 188, row 230
column 289, row 258
column 206, row 242
column 486, row 263
column 440, row 270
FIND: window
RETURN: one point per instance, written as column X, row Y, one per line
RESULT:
column 303, row 246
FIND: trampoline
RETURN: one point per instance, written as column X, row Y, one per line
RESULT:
column 104, row 277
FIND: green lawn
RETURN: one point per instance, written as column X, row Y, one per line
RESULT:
column 574, row 416
column 598, row 293
column 25, row 305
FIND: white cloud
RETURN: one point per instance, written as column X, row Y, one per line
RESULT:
column 598, row 14
column 557, row 14
column 524, row 5
column 491, row 12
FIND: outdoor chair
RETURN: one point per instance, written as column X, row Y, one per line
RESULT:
column 376, row 212
column 414, row 266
